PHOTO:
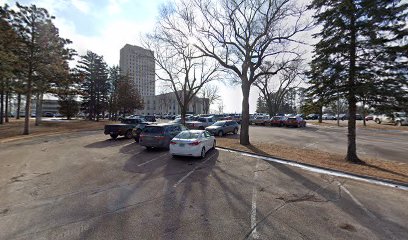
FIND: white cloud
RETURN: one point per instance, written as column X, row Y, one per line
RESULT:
column 81, row 5
column 114, row 6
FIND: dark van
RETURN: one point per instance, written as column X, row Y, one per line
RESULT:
column 160, row 135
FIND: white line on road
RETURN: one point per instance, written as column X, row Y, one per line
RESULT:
column 309, row 145
column 151, row 160
column 191, row 172
column 254, row 233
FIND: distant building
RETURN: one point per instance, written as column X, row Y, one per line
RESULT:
column 167, row 104
column 138, row 63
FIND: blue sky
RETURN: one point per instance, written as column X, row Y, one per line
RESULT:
column 105, row 26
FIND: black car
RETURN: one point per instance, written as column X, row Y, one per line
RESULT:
column 138, row 130
column 312, row 116
column 150, row 118
column 125, row 128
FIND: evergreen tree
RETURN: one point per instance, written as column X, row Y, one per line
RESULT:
column 9, row 60
column 95, row 86
column 360, row 54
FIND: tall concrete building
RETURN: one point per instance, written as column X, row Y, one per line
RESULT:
column 138, row 63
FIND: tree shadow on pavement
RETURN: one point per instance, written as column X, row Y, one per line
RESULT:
column 108, row 143
column 347, row 205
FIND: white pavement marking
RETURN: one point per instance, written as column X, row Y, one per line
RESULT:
column 368, row 212
column 309, row 145
column 151, row 160
column 320, row 170
column 254, row 233
column 191, row 172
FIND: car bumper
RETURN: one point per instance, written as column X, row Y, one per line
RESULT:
column 187, row 150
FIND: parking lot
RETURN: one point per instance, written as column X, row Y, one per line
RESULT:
column 381, row 144
column 85, row 186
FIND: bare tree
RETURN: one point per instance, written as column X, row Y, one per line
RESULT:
column 241, row 35
column 275, row 89
column 220, row 107
column 178, row 61
column 210, row 95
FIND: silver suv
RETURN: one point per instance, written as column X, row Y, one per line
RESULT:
column 221, row 128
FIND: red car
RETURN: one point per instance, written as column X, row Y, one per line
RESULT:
column 369, row 117
column 295, row 122
column 278, row 121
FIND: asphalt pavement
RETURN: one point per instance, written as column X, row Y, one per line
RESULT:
column 379, row 144
column 85, row 186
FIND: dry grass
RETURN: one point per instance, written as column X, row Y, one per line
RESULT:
column 14, row 128
column 394, row 171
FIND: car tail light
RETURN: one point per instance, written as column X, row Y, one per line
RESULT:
column 195, row 143
column 172, row 143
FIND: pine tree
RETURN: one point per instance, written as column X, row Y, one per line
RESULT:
column 95, row 86
column 9, row 60
column 359, row 54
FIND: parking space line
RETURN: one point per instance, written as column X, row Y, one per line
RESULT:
column 191, row 172
column 254, row 233
column 153, row 159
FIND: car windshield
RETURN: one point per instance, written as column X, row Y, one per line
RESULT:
column 188, row 135
column 202, row 120
column 401, row 114
column 153, row 129
column 292, row 118
column 219, row 123
column 276, row 118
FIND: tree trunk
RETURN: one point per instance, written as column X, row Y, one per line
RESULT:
column 351, row 146
column 38, row 109
column 1, row 105
column 28, row 102
column 7, row 107
column 320, row 113
column 364, row 114
column 244, row 134
column 18, row 106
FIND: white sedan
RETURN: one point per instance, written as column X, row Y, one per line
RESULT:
column 194, row 143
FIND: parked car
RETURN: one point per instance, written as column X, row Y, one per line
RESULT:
column 237, row 118
column 328, row 116
column 150, row 118
column 201, row 123
column 139, row 128
column 260, row 120
column 192, row 143
column 221, row 128
column 369, row 117
column 312, row 116
column 396, row 118
column 160, row 135
column 124, row 128
column 277, row 121
column 295, row 122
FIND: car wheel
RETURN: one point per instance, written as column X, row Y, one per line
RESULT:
column 235, row 130
column 129, row 134
column 114, row 136
column 220, row 133
column 148, row 148
column 398, row 124
column 202, row 152
column 378, row 121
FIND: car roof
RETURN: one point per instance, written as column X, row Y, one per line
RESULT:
column 194, row 131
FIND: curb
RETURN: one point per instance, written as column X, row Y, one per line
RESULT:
column 378, row 181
